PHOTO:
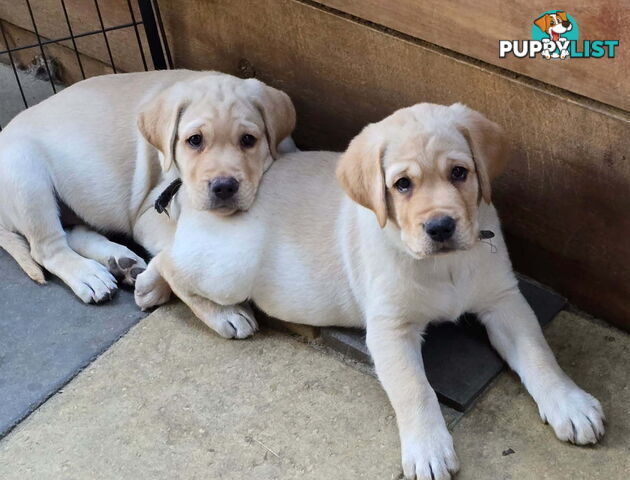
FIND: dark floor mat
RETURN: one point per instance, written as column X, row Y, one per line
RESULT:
column 458, row 358
column 47, row 335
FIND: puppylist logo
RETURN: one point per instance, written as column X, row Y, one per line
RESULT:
column 555, row 35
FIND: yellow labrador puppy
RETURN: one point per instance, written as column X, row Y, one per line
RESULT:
column 398, row 246
column 82, row 149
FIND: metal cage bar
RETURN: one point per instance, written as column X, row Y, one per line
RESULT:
column 109, row 50
column 166, row 49
column 137, row 32
column 148, row 13
column 41, row 47
column 72, row 37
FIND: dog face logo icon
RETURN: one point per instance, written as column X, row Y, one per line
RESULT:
column 554, row 24
column 552, row 28
column 555, row 34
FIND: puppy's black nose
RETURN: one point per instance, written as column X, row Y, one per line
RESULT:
column 566, row 24
column 440, row 229
column 224, row 187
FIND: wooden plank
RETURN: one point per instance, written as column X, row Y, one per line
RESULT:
column 563, row 193
column 475, row 28
column 51, row 24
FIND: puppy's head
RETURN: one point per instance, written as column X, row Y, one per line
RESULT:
column 425, row 169
column 557, row 23
column 222, row 133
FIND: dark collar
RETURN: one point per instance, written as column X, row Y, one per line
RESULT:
column 167, row 195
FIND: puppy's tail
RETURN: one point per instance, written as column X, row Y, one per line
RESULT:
column 17, row 246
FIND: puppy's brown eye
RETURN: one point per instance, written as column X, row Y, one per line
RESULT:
column 459, row 174
column 248, row 141
column 195, row 140
column 403, row 184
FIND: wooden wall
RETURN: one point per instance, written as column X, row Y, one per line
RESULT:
column 565, row 197
column 475, row 28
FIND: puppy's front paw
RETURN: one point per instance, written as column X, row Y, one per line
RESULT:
column 151, row 290
column 235, row 321
column 575, row 415
column 430, row 456
column 90, row 281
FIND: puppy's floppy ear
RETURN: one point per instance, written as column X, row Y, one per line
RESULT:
column 487, row 145
column 276, row 109
column 562, row 15
column 158, row 121
column 361, row 174
column 543, row 22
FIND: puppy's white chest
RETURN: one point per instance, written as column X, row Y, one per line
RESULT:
column 445, row 292
column 446, row 300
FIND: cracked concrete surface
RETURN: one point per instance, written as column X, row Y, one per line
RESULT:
column 173, row 400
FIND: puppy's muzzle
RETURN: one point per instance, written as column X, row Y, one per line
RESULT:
column 440, row 229
column 223, row 188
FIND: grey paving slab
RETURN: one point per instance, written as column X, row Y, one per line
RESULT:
column 458, row 358
column 47, row 335
column 173, row 400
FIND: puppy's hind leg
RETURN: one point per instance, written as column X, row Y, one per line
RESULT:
column 229, row 321
column 17, row 246
column 121, row 262
column 154, row 287
column 31, row 209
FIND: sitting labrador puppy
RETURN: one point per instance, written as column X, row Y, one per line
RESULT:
column 399, row 249
column 82, row 149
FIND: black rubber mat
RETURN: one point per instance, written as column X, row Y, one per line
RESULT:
column 458, row 358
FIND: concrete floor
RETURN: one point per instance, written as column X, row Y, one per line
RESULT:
column 597, row 357
column 11, row 103
column 172, row 400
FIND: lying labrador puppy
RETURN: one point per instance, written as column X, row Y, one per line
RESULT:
column 399, row 249
column 82, row 148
